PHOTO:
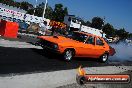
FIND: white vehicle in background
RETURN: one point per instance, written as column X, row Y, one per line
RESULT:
column 93, row 31
column 110, row 40
column 128, row 42
column 113, row 39
column 74, row 24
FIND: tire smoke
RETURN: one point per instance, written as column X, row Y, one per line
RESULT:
column 123, row 52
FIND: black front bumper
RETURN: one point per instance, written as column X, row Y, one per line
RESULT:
column 47, row 45
column 50, row 49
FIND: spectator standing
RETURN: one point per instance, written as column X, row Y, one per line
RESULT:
column 43, row 28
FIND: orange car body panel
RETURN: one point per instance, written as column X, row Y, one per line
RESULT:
column 81, row 49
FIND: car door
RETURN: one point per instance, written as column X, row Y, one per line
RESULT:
column 99, row 47
column 81, row 48
column 89, row 46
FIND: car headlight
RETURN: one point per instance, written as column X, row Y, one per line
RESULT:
column 55, row 46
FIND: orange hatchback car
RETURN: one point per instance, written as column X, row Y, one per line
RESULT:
column 79, row 44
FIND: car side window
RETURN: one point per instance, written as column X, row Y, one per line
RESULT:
column 90, row 40
column 99, row 42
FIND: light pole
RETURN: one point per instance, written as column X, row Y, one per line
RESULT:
column 44, row 8
column 35, row 6
column 103, row 26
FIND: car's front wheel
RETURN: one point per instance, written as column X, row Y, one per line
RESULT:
column 68, row 54
column 104, row 57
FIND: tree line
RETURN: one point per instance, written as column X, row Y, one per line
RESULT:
column 59, row 11
column 107, row 28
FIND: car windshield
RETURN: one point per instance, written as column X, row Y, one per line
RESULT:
column 78, row 36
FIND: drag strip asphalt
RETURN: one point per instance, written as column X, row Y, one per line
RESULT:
column 24, row 60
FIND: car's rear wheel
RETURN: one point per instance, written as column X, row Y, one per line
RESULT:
column 68, row 54
column 104, row 58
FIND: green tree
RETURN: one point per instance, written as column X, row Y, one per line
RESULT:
column 39, row 11
column 82, row 21
column 17, row 4
column 49, row 12
column 30, row 11
column 122, row 33
column 23, row 5
column 4, row 2
column 88, row 23
column 97, row 23
column 108, row 29
column 9, row 2
column 130, row 35
column 59, row 12
column 1, row 1
column 26, row 6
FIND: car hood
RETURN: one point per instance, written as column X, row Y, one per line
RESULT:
column 58, row 39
